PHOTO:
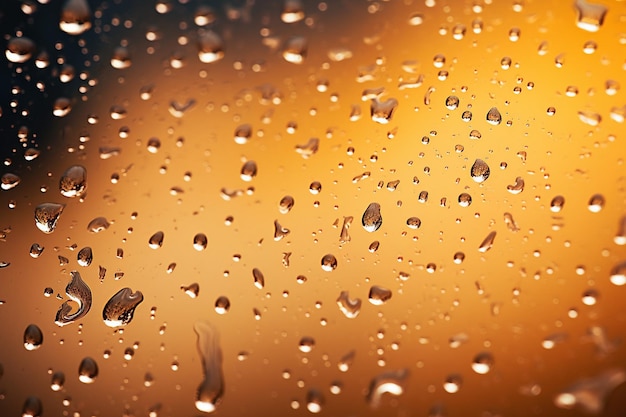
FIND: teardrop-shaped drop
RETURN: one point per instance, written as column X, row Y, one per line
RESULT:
column 494, row 117
column 480, row 171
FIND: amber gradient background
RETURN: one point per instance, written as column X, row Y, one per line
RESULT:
column 564, row 157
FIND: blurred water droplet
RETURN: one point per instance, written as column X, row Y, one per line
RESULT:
column 382, row 111
column 589, row 16
column 590, row 394
column 480, row 171
column 85, row 256
column 73, row 182
column 87, row 370
column 620, row 236
column 120, row 308
column 210, row 47
column 295, row 50
column 121, row 58
column 57, row 381
column 78, row 291
column 156, row 240
column 372, row 219
column 75, row 17
column 200, row 242
column 19, row 50
column 47, row 215
column 329, row 262
column 596, row 203
column 349, row 307
column 98, row 225
column 452, row 383
column 222, row 305
column 494, row 117
column 292, row 11
column 590, row 297
column 510, row 222
column 248, row 171
column 306, row 344
column 32, row 407
column 379, row 295
column 308, row 149
column 243, row 134
column 482, row 363
column 192, row 290
column 211, row 390
column 590, row 118
column 390, row 382
column 487, row 243
column 416, row 19
column 33, row 337
column 9, row 181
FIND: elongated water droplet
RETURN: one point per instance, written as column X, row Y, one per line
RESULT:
column 192, row 290
column 98, row 225
column 33, row 337
column 73, row 182
column 329, row 262
column 345, row 362
column 211, row 390
column 480, row 171
column 382, row 111
column 9, row 181
column 390, row 382
column 372, row 219
column 589, row 16
column 379, row 295
column 279, row 231
column 487, row 243
column 75, row 17
column 344, row 236
column 314, row 401
column 494, row 117
column 309, row 148
column 47, row 215
column 85, row 256
column 78, row 291
column 589, row 118
column 87, row 370
column 200, row 242
column 516, row 188
column 120, row 308
column 32, row 407
column 57, row 381
column 349, row 307
column 156, row 240
column 590, row 394
column 620, row 236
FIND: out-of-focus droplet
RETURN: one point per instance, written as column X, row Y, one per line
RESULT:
column 156, row 240
column 349, row 307
column 344, row 236
column 286, row 204
column 192, row 290
column 487, row 243
column 57, row 381
column 204, row 15
column 248, row 171
column 211, row 390
column 557, row 203
column 47, row 215
column 32, row 407
column 85, row 256
column 596, row 203
column 36, row 250
column 345, row 362
column 452, row 102
column 494, row 117
column 200, row 242
column 482, row 363
column 222, row 305
column 372, row 219
column 514, row 34
column 611, row 87
column 243, row 134
column 98, row 225
column 210, row 47
column 259, row 279
column 458, row 258
column 295, row 50
column 9, row 181
column 516, row 188
column 309, row 148
column 73, row 182
column 61, row 107
column 75, row 17
column 457, row 340
column 329, row 262
column 292, row 12
column 339, row 54
column 510, row 222
column 314, row 401
column 465, row 200
column 589, row 16
column 590, row 394
column 620, row 236
column 33, row 337
column 480, row 171
column 452, row 383
column 19, row 50
column 87, row 370
column 382, row 111
column 120, row 308
column 306, row 344
column 416, row 19
column 78, row 291
column 505, row 63
column 590, row 118
column 590, row 297
column 121, row 58
column 390, row 382
column 414, row 222
column 379, row 295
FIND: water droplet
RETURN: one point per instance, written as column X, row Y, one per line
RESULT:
column 505, row 63
column 416, row 19
column 98, row 225
column 308, row 149
column 248, row 171
column 373, row 247
column 372, row 219
column 620, row 236
column 344, row 236
column 192, row 290
column 292, row 11
column 47, row 215
column 494, row 117
column 465, row 200
column 211, row 389
column 590, row 16
column 596, row 203
column 349, row 307
column 482, row 363
column 210, row 47
column 557, row 203
column 9, row 181
column 204, row 16
column 487, row 243
column 452, row 102
column 19, row 50
column 295, row 50
column 516, row 188
column 382, row 111
column 458, row 32
column 73, row 182
column 345, row 362
column 590, row 47
column 390, row 382
column 414, row 222
column 78, row 291
column 32, row 407
column 590, row 118
column 590, row 394
column 121, row 58
column 200, row 242
column 87, row 370
column 156, row 240
column 33, row 337
column 75, row 17
column 514, row 34
column 279, row 231
column 259, row 279
column 36, row 250
column 480, row 171
column 590, row 297
column 57, row 381
column 329, row 262
column 379, row 295
column 120, row 308
column 85, row 256
column 306, row 344
column 475, row 135
column 452, row 383
column 243, row 134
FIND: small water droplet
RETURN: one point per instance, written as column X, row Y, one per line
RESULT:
column 329, row 262
column 306, row 344
column 9, row 181
column 494, row 117
column 98, row 225
column 200, row 242
column 480, row 171
column 482, row 363
column 85, row 256
column 414, row 222
column 292, row 12
column 192, row 290
column 57, row 381
column 465, row 200
column 452, row 383
column 33, row 337
column 210, row 47
column 557, row 203
column 452, row 102
column 295, row 50
column 32, row 407
column 259, row 279
column 222, row 305
column 596, row 203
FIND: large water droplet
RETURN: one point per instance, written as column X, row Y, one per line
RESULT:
column 47, row 215
column 73, row 182
column 391, row 382
column 494, row 117
column 452, row 383
column 382, row 111
column 156, row 240
column 292, row 11
column 211, row 389
column 590, row 16
column 32, row 407
column 452, row 102
column 19, row 50
column 480, row 171
column 482, row 363
column 379, row 295
column 590, row 394
column 75, row 17
column 33, row 337
column 57, row 381
column 87, row 370
column 85, row 256
column 295, row 50
column 349, row 307
column 618, row 274
column 9, row 181
column 78, row 291
column 210, row 47
column 120, row 308
column 372, row 219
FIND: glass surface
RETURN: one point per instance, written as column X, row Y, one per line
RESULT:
column 350, row 207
